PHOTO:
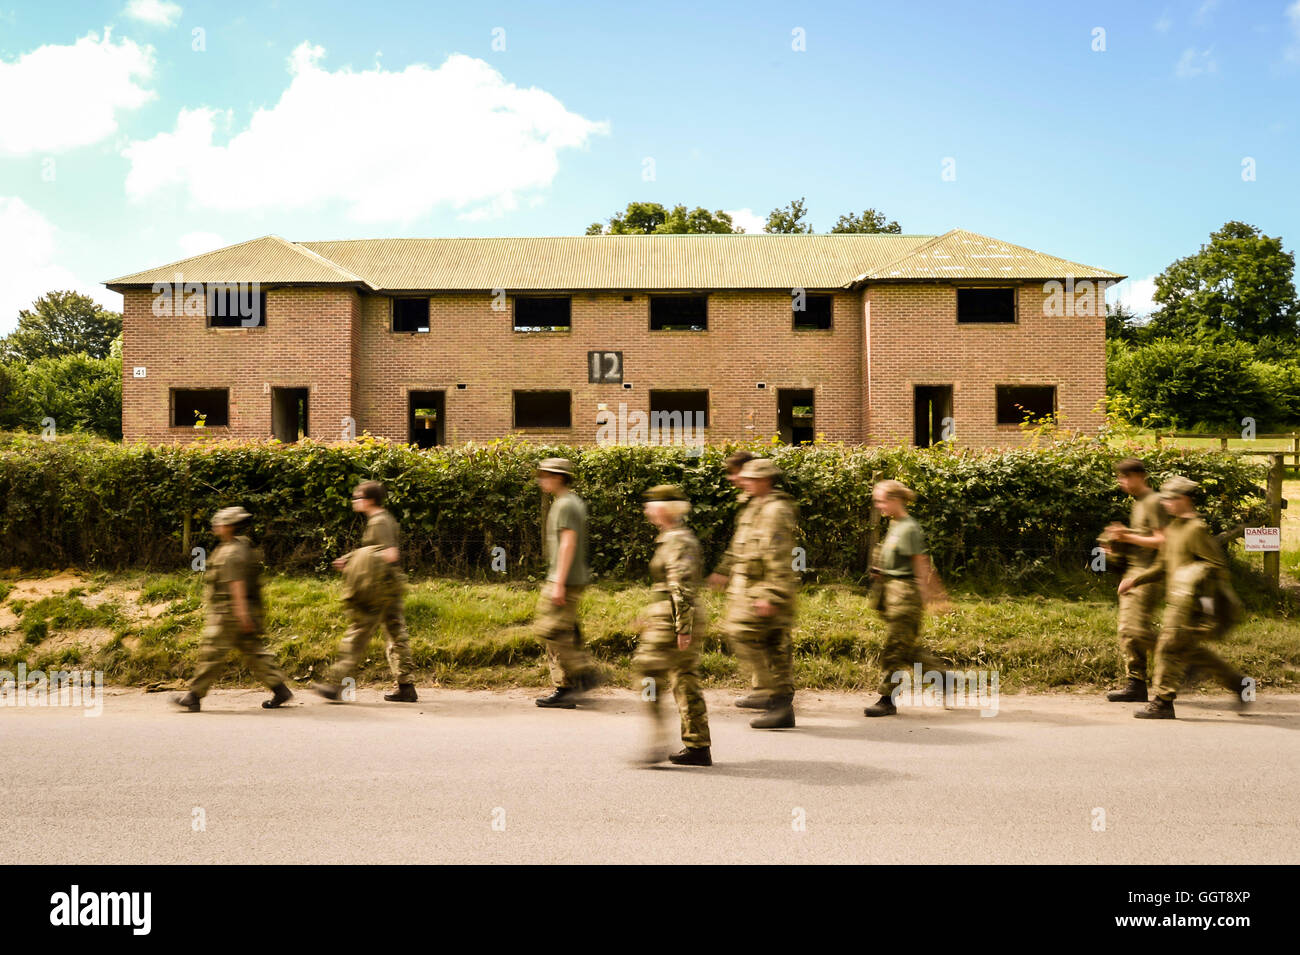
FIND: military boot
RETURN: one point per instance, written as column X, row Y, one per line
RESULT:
column 779, row 715
column 699, row 756
column 561, row 699
column 1157, row 709
column 331, row 691
column 188, row 702
column 1135, row 691
column 280, row 695
column 1236, row 686
column 882, row 707
column 405, row 694
column 754, row 701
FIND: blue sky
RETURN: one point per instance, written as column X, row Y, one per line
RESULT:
column 135, row 132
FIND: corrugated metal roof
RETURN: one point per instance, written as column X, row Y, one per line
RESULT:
column 648, row 262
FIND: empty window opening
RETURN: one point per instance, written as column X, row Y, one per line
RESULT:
column 1018, row 403
column 679, row 313
column 536, row 313
column 795, row 415
column 410, row 314
column 933, row 415
column 236, row 306
column 675, row 416
column 427, row 418
column 200, row 407
column 815, row 315
column 986, row 305
column 543, row 409
column 289, row 413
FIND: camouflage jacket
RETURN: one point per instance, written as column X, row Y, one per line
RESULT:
column 234, row 560
column 762, row 552
column 675, row 575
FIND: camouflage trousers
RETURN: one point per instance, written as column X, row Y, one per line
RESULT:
column 1137, row 632
column 763, row 645
column 1182, row 646
column 219, row 639
column 902, row 614
column 362, row 624
column 557, row 628
column 657, row 658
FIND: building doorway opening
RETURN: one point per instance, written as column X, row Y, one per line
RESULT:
column 934, row 421
column 794, row 416
column 427, row 418
column 289, row 414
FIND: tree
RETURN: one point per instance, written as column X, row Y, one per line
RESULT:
column 869, row 221
column 788, row 220
column 1240, row 283
column 62, row 323
column 651, row 218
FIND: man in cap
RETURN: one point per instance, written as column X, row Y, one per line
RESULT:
column 761, row 591
column 1137, row 543
column 381, row 532
column 755, row 699
column 1199, row 604
column 567, row 575
column 233, row 595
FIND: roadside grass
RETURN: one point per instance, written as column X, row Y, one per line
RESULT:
column 472, row 634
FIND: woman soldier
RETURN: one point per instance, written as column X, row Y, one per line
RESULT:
column 669, row 649
column 901, row 575
column 233, row 594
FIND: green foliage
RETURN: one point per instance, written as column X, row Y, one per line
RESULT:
column 869, row 221
column 80, row 392
column 62, row 323
column 651, row 218
column 80, row 502
column 1201, row 384
column 788, row 219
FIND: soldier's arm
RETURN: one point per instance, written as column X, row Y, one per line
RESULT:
column 779, row 582
column 1203, row 547
column 681, row 587
column 386, row 537
column 236, row 570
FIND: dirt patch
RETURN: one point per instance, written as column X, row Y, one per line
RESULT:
column 91, row 638
column 46, row 586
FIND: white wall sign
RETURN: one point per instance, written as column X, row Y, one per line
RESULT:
column 139, row 371
column 1263, row 539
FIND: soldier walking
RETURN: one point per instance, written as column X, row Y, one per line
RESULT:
column 1201, row 604
column 383, row 604
column 902, row 575
column 567, row 577
column 668, row 653
column 761, row 591
column 1137, row 544
column 232, row 591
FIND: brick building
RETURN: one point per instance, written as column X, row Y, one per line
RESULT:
column 856, row 338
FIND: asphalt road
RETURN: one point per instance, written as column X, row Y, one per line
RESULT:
column 488, row 777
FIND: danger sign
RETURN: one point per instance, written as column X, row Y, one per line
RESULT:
column 1263, row 538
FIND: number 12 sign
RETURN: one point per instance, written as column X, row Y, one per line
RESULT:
column 604, row 367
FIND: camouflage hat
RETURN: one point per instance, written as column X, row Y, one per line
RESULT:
column 760, row 468
column 1178, row 485
column 230, row 515
column 666, row 492
column 556, row 466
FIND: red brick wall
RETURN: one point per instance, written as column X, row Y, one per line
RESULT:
column 750, row 338
column 914, row 339
column 307, row 342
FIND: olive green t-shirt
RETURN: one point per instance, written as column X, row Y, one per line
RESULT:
column 381, row 530
column 903, row 542
column 567, row 513
column 1148, row 516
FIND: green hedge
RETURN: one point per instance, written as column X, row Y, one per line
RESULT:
column 82, row 502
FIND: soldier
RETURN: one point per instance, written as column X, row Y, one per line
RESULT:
column 761, row 591
column 901, row 576
column 1201, row 603
column 567, row 576
column 755, row 699
column 668, row 653
column 233, row 594
column 1137, row 543
column 383, row 533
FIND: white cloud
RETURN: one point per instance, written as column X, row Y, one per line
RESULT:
column 161, row 13
column 196, row 243
column 747, row 219
column 1137, row 295
column 29, row 266
column 1194, row 63
column 1293, row 21
column 60, row 97
column 389, row 145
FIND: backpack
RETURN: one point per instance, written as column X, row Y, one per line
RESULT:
column 369, row 581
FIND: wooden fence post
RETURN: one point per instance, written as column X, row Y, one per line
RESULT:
column 1273, row 559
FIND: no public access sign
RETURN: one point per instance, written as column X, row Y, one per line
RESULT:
column 1263, row 538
